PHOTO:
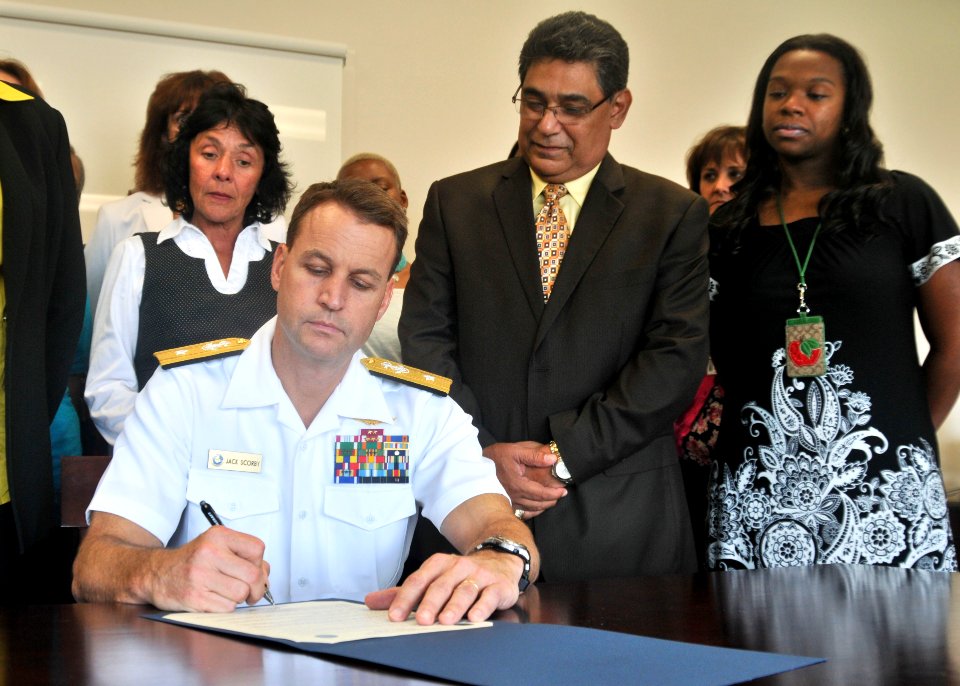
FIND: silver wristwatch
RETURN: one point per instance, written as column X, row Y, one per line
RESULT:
column 505, row 545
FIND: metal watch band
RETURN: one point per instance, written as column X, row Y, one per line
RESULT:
column 566, row 479
column 505, row 545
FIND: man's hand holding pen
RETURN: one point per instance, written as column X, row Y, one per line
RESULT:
column 214, row 572
column 215, row 520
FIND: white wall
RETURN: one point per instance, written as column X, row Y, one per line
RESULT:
column 428, row 82
column 129, row 55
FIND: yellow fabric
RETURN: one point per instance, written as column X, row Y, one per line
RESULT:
column 11, row 94
column 173, row 357
column 571, row 203
column 4, row 483
column 407, row 374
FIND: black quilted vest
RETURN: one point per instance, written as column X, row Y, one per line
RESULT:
column 181, row 307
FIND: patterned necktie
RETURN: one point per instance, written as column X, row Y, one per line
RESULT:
column 552, row 236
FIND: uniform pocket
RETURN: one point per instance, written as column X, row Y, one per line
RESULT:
column 368, row 507
column 232, row 495
column 373, row 523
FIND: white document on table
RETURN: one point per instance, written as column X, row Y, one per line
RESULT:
column 317, row 621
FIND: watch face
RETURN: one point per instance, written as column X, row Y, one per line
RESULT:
column 560, row 469
column 506, row 545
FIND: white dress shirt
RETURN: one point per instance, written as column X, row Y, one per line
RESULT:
column 112, row 379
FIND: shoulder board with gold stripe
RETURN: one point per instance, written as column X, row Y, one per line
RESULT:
column 223, row 347
column 408, row 375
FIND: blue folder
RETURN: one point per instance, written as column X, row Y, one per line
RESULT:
column 507, row 654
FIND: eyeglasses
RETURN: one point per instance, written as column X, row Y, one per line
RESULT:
column 565, row 114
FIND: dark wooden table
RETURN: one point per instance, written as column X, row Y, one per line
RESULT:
column 875, row 625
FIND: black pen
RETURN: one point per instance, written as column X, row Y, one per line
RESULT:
column 214, row 519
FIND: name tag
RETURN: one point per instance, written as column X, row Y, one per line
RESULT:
column 232, row 461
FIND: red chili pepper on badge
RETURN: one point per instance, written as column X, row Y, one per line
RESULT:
column 805, row 353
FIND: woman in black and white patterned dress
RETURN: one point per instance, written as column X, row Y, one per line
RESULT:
column 827, row 451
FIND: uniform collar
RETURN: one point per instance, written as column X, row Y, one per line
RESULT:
column 254, row 383
column 359, row 395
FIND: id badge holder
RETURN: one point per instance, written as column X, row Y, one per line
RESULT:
column 805, row 347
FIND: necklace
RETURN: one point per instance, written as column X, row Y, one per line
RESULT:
column 804, row 334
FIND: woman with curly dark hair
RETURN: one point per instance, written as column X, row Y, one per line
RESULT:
column 206, row 275
column 144, row 208
column 827, row 450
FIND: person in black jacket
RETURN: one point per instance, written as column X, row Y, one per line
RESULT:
column 42, row 274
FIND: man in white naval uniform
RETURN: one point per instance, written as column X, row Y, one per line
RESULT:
column 315, row 463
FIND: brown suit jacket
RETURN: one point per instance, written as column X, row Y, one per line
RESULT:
column 604, row 368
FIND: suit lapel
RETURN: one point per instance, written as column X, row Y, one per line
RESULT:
column 514, row 204
column 600, row 212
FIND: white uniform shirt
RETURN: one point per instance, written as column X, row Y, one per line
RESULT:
column 323, row 539
column 136, row 213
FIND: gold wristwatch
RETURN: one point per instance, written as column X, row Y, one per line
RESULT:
column 559, row 469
